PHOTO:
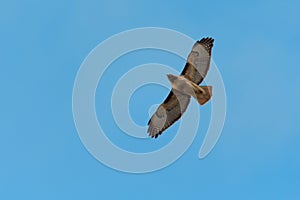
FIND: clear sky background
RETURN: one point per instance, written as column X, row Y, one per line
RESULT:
column 42, row 44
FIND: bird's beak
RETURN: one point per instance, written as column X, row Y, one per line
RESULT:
column 171, row 77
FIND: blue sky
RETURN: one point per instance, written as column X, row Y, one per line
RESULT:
column 256, row 49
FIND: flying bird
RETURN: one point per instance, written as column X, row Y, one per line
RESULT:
column 184, row 87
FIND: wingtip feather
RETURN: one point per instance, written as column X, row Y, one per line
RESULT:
column 206, row 40
column 207, row 43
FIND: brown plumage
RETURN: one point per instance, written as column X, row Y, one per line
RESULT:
column 176, row 103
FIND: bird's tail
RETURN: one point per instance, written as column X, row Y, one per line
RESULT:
column 202, row 93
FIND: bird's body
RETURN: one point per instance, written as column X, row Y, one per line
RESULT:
column 183, row 87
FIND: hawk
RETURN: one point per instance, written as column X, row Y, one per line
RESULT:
column 184, row 87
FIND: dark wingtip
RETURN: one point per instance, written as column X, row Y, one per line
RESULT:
column 206, row 40
column 207, row 43
column 153, row 132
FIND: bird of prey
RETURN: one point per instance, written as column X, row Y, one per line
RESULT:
column 183, row 87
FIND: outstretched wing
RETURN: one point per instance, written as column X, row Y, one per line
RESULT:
column 174, row 106
column 198, row 61
column 168, row 113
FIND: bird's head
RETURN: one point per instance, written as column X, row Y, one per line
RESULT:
column 172, row 78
